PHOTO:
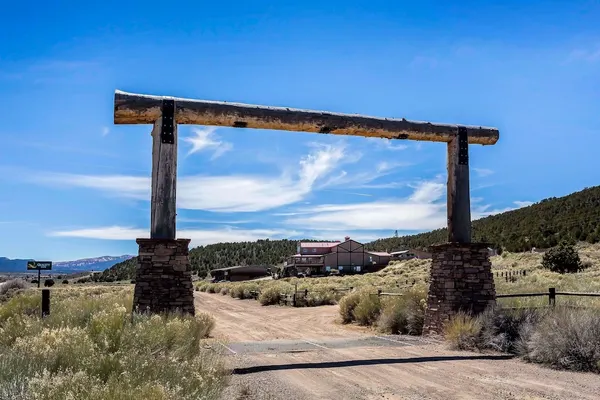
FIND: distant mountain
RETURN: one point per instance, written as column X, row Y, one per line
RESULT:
column 65, row 267
column 8, row 265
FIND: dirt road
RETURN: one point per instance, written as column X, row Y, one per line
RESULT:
column 286, row 353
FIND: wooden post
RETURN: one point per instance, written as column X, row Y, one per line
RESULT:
column 459, row 199
column 552, row 296
column 164, row 174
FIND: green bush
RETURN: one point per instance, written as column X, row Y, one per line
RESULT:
column 393, row 318
column 224, row 290
column 347, row 305
column 237, row 291
column 270, row 295
column 211, row 288
column 247, row 288
column 367, row 310
column 562, row 259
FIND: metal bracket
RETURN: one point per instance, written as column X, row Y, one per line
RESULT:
column 463, row 146
column 168, row 122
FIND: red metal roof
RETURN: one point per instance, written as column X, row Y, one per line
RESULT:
column 319, row 244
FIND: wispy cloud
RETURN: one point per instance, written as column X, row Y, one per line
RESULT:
column 105, row 130
column 232, row 193
column 388, row 144
column 590, row 55
column 199, row 236
column 483, row 172
column 422, row 210
column 485, row 210
column 206, row 139
column 363, row 179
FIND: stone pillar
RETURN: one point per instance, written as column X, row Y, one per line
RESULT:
column 461, row 280
column 163, row 281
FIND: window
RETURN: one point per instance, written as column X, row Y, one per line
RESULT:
column 314, row 249
column 304, row 250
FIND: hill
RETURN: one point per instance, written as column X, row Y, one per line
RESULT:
column 575, row 217
column 67, row 267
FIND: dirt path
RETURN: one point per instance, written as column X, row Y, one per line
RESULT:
column 304, row 354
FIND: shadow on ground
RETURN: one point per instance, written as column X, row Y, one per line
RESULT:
column 356, row 363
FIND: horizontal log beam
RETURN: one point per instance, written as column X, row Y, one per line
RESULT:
column 133, row 108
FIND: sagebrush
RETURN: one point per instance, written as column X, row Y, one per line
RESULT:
column 90, row 347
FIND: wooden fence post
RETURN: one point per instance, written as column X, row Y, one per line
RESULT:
column 552, row 297
column 294, row 297
column 378, row 292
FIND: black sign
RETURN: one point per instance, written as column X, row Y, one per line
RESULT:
column 39, row 265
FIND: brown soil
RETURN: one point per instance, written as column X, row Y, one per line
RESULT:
column 421, row 370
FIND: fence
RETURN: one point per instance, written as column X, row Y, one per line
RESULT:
column 551, row 294
column 299, row 297
column 511, row 276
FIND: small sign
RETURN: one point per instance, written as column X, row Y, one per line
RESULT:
column 39, row 265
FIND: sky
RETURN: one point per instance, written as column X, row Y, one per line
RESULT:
column 73, row 184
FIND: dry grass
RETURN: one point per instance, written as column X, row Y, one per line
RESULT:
column 90, row 348
column 463, row 332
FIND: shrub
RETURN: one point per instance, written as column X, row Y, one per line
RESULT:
column 567, row 339
column 270, row 295
column 462, row 332
column 224, row 290
column 65, row 282
column 49, row 282
column 11, row 286
column 347, row 305
column 237, row 291
column 317, row 298
column 211, row 288
column 367, row 310
column 404, row 314
column 506, row 330
column 249, row 287
column 562, row 259
column 393, row 318
column 90, row 348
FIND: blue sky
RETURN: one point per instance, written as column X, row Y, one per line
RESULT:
column 75, row 185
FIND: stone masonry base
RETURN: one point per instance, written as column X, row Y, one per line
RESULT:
column 461, row 280
column 163, row 282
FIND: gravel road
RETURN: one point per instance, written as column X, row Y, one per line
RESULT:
column 303, row 353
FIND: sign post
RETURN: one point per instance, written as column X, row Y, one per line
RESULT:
column 39, row 266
